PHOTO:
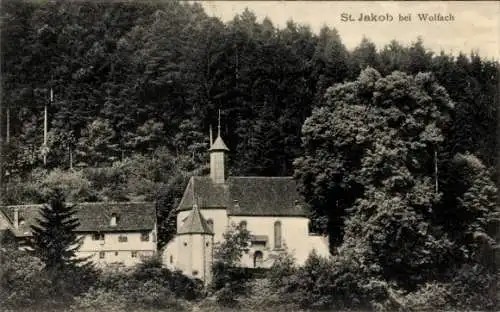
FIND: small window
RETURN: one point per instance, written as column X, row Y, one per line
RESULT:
column 185, row 244
column 243, row 225
column 134, row 254
column 195, row 273
column 116, row 253
column 277, row 235
column 122, row 239
column 97, row 236
column 206, row 244
column 145, row 236
column 210, row 224
column 171, row 259
column 101, row 254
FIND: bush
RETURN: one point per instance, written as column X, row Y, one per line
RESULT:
column 97, row 299
column 336, row 283
column 23, row 283
column 74, row 184
column 282, row 269
column 147, row 285
column 475, row 287
column 429, row 297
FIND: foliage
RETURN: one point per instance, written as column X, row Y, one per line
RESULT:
column 234, row 243
column 148, row 285
column 53, row 237
column 229, row 279
column 373, row 133
column 96, row 145
column 337, row 283
column 22, row 281
column 283, row 266
column 28, row 283
column 73, row 185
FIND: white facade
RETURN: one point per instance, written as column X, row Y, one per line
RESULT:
column 110, row 232
column 127, row 248
column 295, row 239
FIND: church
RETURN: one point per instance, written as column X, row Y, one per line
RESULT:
column 270, row 208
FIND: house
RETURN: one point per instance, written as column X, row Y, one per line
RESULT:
column 270, row 208
column 111, row 232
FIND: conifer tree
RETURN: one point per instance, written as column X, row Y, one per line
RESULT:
column 54, row 240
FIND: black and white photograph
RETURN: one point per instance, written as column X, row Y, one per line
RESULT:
column 219, row 156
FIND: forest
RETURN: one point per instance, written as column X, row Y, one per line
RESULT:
column 387, row 143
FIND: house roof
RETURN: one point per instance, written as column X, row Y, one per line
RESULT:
column 132, row 216
column 246, row 196
column 195, row 223
column 218, row 145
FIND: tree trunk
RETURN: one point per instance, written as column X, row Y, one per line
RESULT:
column 7, row 135
column 436, row 169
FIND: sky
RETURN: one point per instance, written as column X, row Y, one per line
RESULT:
column 475, row 26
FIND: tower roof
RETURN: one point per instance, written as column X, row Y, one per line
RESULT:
column 195, row 223
column 219, row 145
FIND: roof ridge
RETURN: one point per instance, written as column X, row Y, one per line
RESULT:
column 262, row 177
column 80, row 203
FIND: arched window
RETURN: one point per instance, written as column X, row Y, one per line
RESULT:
column 277, row 235
column 243, row 224
column 258, row 259
column 210, row 224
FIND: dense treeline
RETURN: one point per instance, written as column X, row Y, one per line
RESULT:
column 131, row 77
column 398, row 165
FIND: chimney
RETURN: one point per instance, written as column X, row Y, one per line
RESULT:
column 114, row 219
column 16, row 218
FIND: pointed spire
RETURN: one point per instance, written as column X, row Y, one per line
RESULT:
column 218, row 144
column 218, row 127
column 195, row 223
column 211, row 136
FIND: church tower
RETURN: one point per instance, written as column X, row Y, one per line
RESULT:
column 217, row 153
column 195, row 246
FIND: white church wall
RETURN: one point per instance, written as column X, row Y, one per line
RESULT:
column 320, row 244
column 170, row 254
column 294, row 234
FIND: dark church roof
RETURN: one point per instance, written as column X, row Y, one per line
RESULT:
column 93, row 217
column 195, row 224
column 246, row 196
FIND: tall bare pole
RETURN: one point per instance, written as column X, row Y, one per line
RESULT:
column 7, row 134
column 1, row 156
column 218, row 127
column 436, row 168
column 70, row 158
column 45, row 150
